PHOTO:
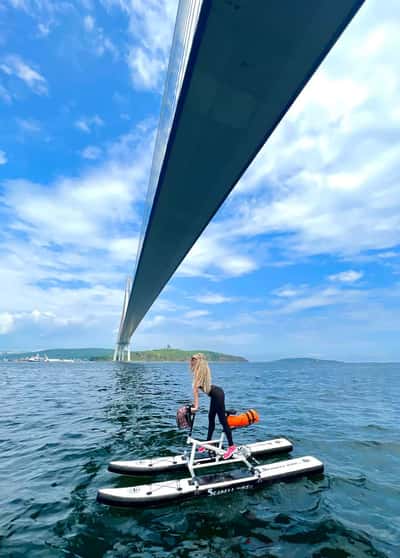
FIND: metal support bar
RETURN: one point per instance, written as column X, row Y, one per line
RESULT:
column 215, row 446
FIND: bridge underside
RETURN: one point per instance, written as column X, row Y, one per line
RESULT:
column 249, row 61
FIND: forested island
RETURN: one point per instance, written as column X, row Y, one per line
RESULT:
column 97, row 354
column 176, row 355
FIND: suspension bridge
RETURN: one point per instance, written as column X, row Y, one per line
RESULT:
column 236, row 67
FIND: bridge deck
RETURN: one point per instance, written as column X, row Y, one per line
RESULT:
column 249, row 61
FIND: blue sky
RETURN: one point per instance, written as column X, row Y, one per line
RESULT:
column 302, row 259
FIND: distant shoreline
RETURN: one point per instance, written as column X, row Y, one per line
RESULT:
column 164, row 355
column 98, row 354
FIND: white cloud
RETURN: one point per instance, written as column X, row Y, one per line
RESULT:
column 104, row 44
column 212, row 256
column 326, row 182
column 196, row 314
column 146, row 70
column 3, row 158
column 387, row 255
column 123, row 248
column 288, row 292
column 298, row 299
column 318, row 299
column 91, row 152
column 87, row 124
column 78, row 307
column 5, row 95
column 299, row 182
column 291, row 326
column 153, row 322
column 88, row 23
column 98, row 39
column 44, row 29
column 14, row 66
column 6, row 322
column 77, row 210
column 30, row 6
column 37, row 315
column 45, row 13
column 212, row 298
column 29, row 125
column 151, row 24
column 349, row 276
column 78, row 235
column 19, row 4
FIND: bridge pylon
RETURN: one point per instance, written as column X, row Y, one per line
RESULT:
column 122, row 350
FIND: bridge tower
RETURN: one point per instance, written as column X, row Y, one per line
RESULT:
column 122, row 351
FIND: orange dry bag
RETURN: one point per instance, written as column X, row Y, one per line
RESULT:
column 245, row 419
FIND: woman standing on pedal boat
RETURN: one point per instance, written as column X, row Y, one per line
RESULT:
column 202, row 380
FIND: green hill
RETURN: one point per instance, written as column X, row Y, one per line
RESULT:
column 80, row 354
column 176, row 355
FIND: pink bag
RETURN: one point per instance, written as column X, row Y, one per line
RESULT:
column 184, row 418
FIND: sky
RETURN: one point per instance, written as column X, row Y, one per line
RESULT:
column 310, row 266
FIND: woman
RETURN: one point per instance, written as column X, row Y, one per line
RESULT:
column 202, row 380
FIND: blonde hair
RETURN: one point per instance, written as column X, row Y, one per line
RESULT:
column 201, row 372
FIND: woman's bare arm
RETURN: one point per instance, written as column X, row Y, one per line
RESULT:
column 195, row 406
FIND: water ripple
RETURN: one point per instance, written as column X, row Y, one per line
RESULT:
column 61, row 424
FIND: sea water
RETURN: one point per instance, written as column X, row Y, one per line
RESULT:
column 60, row 425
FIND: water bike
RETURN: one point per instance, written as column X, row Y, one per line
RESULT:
column 252, row 475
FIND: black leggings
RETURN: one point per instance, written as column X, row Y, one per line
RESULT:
column 217, row 407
